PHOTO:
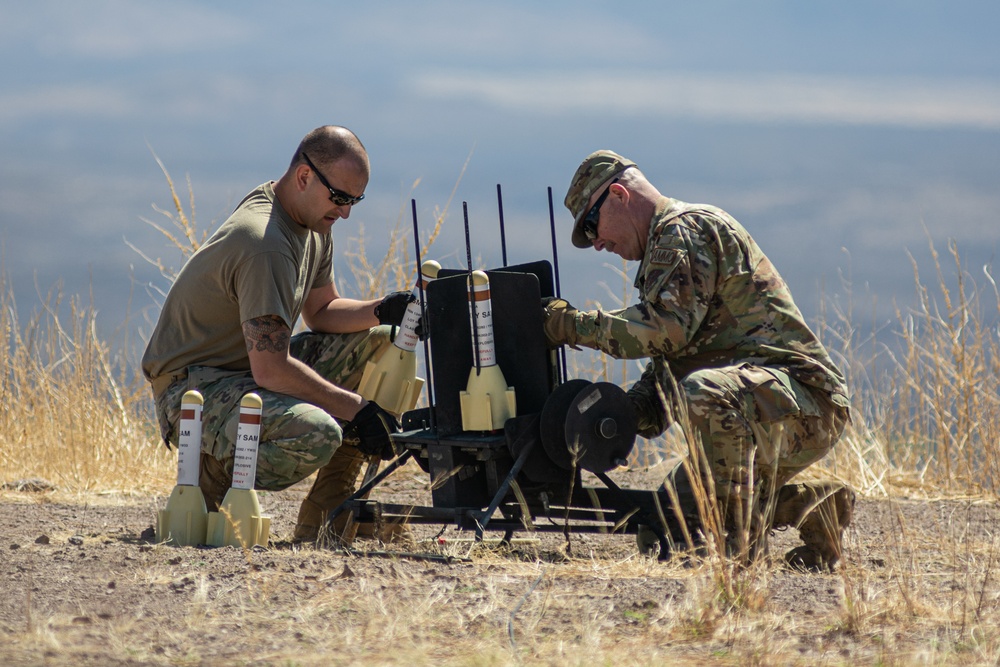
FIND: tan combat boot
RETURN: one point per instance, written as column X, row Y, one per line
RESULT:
column 821, row 511
column 335, row 483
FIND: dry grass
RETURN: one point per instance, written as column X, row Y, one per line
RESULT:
column 927, row 400
column 925, row 605
column 926, row 424
column 75, row 413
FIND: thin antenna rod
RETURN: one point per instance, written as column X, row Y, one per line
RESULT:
column 423, row 317
column 555, row 253
column 555, row 269
column 503, row 234
column 472, row 293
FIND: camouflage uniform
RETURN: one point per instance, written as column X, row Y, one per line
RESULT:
column 296, row 437
column 715, row 314
column 726, row 343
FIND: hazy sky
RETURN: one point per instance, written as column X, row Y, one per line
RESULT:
column 841, row 134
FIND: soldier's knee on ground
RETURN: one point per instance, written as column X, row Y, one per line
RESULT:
column 821, row 511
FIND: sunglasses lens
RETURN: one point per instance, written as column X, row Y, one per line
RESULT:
column 590, row 223
column 341, row 199
column 594, row 214
column 336, row 196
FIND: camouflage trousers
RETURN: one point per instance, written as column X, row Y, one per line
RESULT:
column 758, row 427
column 296, row 438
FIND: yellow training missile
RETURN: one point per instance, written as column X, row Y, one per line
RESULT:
column 487, row 401
column 239, row 522
column 184, row 521
column 392, row 380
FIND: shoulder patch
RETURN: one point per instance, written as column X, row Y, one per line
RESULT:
column 664, row 256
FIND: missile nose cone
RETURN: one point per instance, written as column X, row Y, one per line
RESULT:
column 251, row 401
column 192, row 397
column 430, row 269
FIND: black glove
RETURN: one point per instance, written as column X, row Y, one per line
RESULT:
column 392, row 307
column 372, row 426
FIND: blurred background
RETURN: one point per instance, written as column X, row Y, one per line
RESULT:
column 845, row 136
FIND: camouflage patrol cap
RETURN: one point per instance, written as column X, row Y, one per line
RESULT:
column 596, row 169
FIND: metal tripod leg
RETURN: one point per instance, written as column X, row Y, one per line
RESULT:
column 487, row 515
column 370, row 482
column 370, row 471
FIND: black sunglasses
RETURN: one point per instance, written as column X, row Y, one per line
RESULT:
column 593, row 216
column 338, row 197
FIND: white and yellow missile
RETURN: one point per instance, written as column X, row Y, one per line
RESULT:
column 239, row 522
column 391, row 381
column 487, row 401
column 184, row 521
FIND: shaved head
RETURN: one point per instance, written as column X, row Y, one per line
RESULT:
column 330, row 144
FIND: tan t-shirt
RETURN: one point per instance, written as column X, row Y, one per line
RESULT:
column 259, row 262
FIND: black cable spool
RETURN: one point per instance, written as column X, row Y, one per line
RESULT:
column 593, row 424
column 537, row 467
column 552, row 425
column 601, row 427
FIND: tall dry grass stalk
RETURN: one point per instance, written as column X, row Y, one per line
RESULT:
column 181, row 234
column 926, row 392
column 75, row 414
column 396, row 270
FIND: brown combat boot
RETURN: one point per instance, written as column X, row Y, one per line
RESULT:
column 214, row 481
column 821, row 511
column 335, row 483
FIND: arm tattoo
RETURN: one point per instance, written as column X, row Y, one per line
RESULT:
column 266, row 334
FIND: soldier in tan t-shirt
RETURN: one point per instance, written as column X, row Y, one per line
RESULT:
column 226, row 329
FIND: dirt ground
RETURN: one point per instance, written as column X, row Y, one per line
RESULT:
column 83, row 583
